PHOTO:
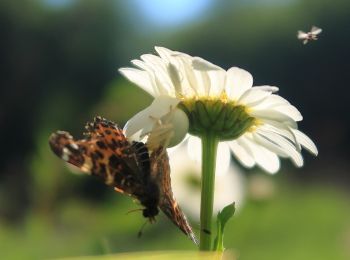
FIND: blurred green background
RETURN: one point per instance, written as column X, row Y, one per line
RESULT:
column 59, row 61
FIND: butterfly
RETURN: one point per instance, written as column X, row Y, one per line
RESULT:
column 312, row 35
column 129, row 167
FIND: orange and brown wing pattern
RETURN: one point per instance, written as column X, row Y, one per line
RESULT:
column 104, row 152
column 160, row 172
column 108, row 136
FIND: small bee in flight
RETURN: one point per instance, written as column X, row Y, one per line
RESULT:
column 312, row 35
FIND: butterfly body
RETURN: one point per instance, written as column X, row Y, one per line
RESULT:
column 129, row 167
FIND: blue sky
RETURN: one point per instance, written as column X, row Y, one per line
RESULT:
column 171, row 12
column 162, row 13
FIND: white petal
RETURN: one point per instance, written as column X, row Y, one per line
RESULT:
column 277, row 103
column 241, row 154
column 175, row 77
column 181, row 124
column 253, row 96
column 190, row 82
column 203, row 82
column 283, row 143
column 272, row 101
column 164, row 53
column 271, row 89
column 154, row 61
column 270, row 145
column 136, row 136
column 223, row 159
column 158, row 77
column 229, row 187
column 289, row 110
column 140, row 78
column 269, row 161
column 169, row 130
column 163, row 84
column 139, row 63
column 256, row 95
column 217, row 81
column 238, row 81
column 194, row 149
column 204, row 65
column 146, row 119
column 270, row 114
column 266, row 159
column 305, row 141
column 283, row 130
column 138, row 125
column 161, row 78
column 179, row 146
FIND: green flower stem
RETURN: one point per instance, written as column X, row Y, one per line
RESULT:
column 209, row 148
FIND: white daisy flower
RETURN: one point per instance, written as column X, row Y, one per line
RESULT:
column 198, row 97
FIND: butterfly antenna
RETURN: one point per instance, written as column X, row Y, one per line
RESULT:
column 133, row 210
column 139, row 234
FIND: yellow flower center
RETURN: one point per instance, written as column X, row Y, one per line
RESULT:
column 217, row 115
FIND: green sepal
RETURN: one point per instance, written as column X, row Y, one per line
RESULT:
column 226, row 120
column 220, row 121
column 232, row 117
column 203, row 114
column 214, row 109
column 238, row 129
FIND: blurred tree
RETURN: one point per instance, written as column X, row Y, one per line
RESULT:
column 55, row 64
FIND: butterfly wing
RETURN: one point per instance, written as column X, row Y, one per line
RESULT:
column 302, row 35
column 160, row 172
column 105, row 153
column 315, row 30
